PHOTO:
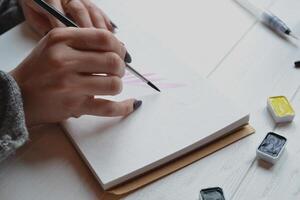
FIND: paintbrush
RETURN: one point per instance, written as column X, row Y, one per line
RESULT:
column 69, row 23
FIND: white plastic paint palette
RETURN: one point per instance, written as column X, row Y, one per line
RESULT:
column 280, row 109
column 271, row 148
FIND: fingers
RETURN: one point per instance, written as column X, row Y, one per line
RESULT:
column 108, row 22
column 94, row 40
column 83, row 12
column 58, row 5
column 38, row 10
column 98, row 17
column 99, row 85
column 37, row 21
column 111, row 26
column 79, row 13
column 102, row 107
column 99, row 63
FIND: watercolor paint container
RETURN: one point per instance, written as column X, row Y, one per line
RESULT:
column 280, row 109
column 215, row 193
column 271, row 148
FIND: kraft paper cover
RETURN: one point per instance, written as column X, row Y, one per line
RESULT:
column 181, row 162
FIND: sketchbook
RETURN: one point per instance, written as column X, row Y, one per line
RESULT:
column 186, row 115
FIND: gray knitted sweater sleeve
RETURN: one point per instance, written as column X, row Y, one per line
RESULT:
column 13, row 132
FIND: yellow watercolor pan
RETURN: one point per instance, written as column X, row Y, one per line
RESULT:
column 281, row 109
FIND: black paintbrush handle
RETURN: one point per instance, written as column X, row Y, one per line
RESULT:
column 56, row 13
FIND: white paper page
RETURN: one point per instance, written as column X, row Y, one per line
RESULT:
column 197, row 31
column 185, row 115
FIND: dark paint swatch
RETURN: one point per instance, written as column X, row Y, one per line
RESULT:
column 212, row 194
column 272, row 144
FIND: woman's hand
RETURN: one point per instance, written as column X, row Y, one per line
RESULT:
column 83, row 12
column 69, row 66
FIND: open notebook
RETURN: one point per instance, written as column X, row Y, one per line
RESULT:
column 186, row 115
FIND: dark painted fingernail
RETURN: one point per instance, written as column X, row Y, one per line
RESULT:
column 113, row 25
column 137, row 104
column 127, row 58
column 297, row 64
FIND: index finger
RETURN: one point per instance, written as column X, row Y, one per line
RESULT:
column 58, row 5
column 92, row 39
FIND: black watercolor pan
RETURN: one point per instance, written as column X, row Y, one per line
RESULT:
column 215, row 193
column 272, row 144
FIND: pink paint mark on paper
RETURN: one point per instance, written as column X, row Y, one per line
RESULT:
column 131, row 76
column 162, row 83
column 140, row 81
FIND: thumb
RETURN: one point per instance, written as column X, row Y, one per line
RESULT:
column 56, row 4
column 38, row 22
column 107, row 108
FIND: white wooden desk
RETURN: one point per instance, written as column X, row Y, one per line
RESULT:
column 249, row 66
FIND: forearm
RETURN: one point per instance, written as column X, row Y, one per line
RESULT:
column 13, row 131
column 10, row 14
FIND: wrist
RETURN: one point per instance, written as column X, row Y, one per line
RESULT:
column 15, row 74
